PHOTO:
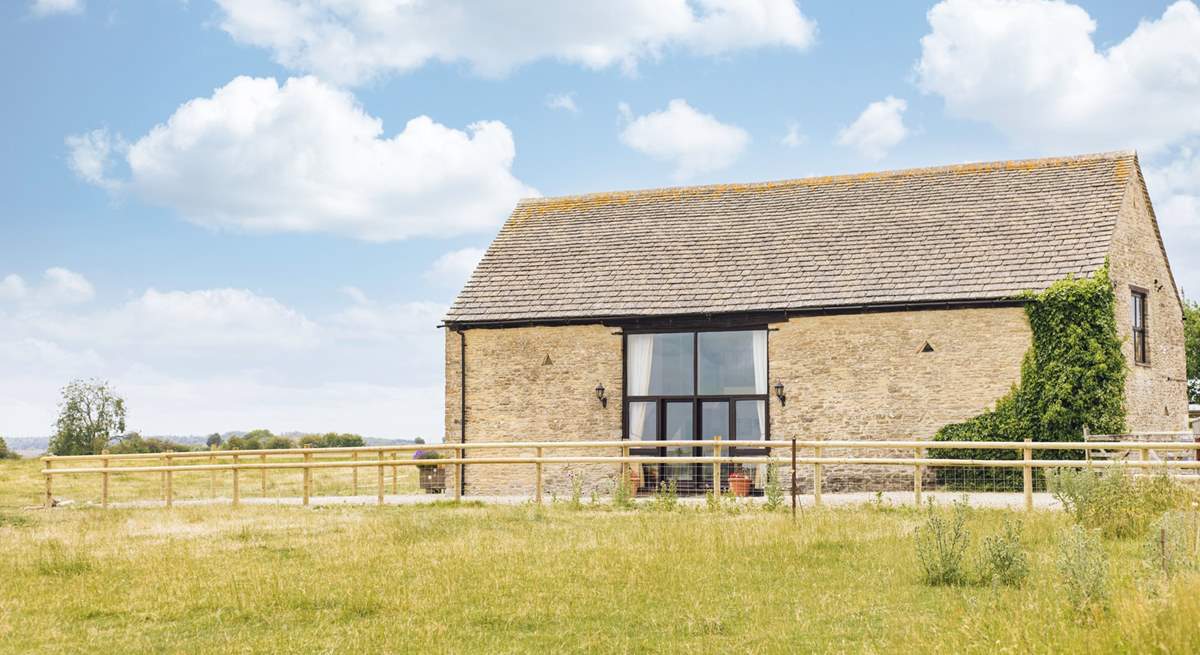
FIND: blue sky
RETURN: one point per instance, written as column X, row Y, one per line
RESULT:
column 223, row 208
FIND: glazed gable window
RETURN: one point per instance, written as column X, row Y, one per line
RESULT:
column 1141, row 352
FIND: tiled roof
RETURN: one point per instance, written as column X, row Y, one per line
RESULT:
column 955, row 233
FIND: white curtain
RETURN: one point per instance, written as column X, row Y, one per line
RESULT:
column 760, row 386
column 641, row 352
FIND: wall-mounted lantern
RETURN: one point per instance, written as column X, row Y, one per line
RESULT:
column 779, row 393
column 600, row 395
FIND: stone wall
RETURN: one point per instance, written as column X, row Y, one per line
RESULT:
column 864, row 376
column 536, row 384
column 1155, row 394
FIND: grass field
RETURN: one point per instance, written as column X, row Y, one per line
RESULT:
column 521, row 579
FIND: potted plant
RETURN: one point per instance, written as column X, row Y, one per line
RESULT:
column 739, row 483
column 432, row 477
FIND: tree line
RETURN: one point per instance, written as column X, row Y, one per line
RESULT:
column 91, row 419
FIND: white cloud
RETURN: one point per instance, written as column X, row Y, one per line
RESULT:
column 1032, row 69
column 42, row 8
column 877, row 129
column 563, row 101
column 351, row 41
column 59, row 287
column 1175, row 189
column 794, row 138
column 191, row 362
column 91, row 157
column 693, row 142
column 13, row 287
column 305, row 157
column 453, row 268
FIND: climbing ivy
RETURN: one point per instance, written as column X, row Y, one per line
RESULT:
column 1072, row 375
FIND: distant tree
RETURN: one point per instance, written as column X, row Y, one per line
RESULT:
column 419, row 441
column 214, row 439
column 5, row 453
column 278, row 443
column 90, row 416
column 331, row 440
column 1191, row 339
column 135, row 443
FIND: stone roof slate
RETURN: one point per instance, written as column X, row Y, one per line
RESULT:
column 971, row 232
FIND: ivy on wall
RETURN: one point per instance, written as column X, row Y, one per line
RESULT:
column 1072, row 375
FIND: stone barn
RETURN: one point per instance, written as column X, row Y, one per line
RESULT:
column 873, row 306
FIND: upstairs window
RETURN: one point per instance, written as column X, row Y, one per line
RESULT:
column 1141, row 353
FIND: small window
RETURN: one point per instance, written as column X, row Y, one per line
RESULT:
column 1141, row 353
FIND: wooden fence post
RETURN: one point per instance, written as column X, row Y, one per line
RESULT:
column 380, row 480
column 625, row 469
column 48, row 502
column 818, row 475
column 212, row 475
column 716, row 467
column 262, row 459
column 163, row 477
column 104, row 480
column 1087, row 452
column 307, row 478
column 170, row 483
column 395, row 471
column 918, row 472
column 793, row 478
column 354, row 458
column 458, row 474
column 538, row 485
column 1027, row 476
column 237, row 489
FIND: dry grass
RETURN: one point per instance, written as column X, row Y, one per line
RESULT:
column 521, row 579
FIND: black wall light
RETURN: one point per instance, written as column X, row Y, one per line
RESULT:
column 779, row 393
column 600, row 395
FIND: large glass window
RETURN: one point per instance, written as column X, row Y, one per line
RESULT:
column 661, row 364
column 732, row 363
column 751, row 420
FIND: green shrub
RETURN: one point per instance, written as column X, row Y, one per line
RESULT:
column 1173, row 543
column 1003, row 559
column 666, row 497
column 1072, row 375
column 941, row 544
column 773, row 489
column 622, row 496
column 1113, row 501
column 1083, row 566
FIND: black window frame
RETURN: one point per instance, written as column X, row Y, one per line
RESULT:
column 1140, row 308
column 695, row 398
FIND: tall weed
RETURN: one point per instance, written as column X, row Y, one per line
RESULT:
column 1003, row 560
column 942, row 545
column 1083, row 566
column 1113, row 501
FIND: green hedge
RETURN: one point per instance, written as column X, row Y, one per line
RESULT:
column 1072, row 375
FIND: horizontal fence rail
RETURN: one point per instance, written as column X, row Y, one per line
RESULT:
column 780, row 453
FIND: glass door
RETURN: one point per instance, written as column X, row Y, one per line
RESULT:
column 679, row 424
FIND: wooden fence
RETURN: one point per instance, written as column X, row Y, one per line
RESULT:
column 786, row 454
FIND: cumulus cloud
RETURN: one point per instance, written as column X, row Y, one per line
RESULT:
column 1175, row 189
column 59, row 286
column 1032, row 69
column 305, row 157
column 453, row 268
column 351, row 42
column 877, row 129
column 693, row 142
column 194, row 361
column 793, row 138
column 43, row 8
column 90, row 156
column 563, row 101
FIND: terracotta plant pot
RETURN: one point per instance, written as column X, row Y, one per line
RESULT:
column 739, row 484
column 433, row 479
column 635, row 480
